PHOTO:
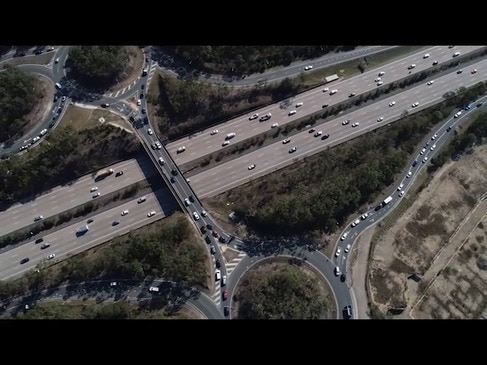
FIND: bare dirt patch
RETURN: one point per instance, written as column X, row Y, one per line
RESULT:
column 427, row 234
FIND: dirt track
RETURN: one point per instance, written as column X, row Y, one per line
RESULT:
column 426, row 237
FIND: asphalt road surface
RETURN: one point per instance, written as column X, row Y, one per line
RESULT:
column 63, row 198
column 443, row 136
column 203, row 143
column 275, row 156
column 316, row 259
column 65, row 241
column 124, row 290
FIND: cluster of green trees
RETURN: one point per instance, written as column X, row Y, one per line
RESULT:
column 170, row 253
column 23, row 176
column 98, row 66
column 287, row 293
column 243, row 60
column 188, row 106
column 19, row 92
column 321, row 192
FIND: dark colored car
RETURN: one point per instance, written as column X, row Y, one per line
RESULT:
column 208, row 239
column 39, row 240
column 448, row 129
column 173, row 179
column 115, row 223
column 226, row 310
column 203, row 229
column 209, row 226
column 23, row 261
column 174, row 172
column 324, row 106
column 224, row 295
column 343, row 277
column 347, row 312
column 415, row 163
column 222, row 239
column 119, row 173
column 480, row 104
column 311, row 130
column 378, row 207
column 435, row 63
column 89, row 221
column 218, row 263
column 325, row 136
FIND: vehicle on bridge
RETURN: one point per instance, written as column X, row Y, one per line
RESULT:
column 103, row 174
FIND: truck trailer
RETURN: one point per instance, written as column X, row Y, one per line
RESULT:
column 387, row 201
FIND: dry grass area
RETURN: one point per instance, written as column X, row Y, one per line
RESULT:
column 274, row 265
column 84, row 118
column 427, row 234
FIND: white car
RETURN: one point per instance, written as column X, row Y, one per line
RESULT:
column 319, row 133
column 291, row 112
column 345, row 122
column 181, row 149
column 285, row 141
column 458, row 114
column 409, row 174
column 161, row 161
column 326, row 89
column 151, row 214
column 380, row 119
column 411, row 66
column 356, row 124
column 113, row 283
column 433, row 147
column 93, row 189
column 139, row 102
column 382, row 73
column 226, row 143
column 141, row 199
column 355, row 222
column 309, row 67
column 344, row 236
column 337, row 271
column 364, row 216
column 422, row 151
column 426, row 55
column 434, row 137
column 425, row 159
column 196, row 216
column 379, row 83
column 399, row 188
column 125, row 212
column 213, row 132
column 338, row 252
column 275, row 125
column 347, row 248
column 429, row 83
column 251, row 167
column 254, row 116
column 392, row 103
column 149, row 132
column 414, row 105
column 63, row 99
column 378, row 79
column 299, row 104
column 401, row 193
column 51, row 256
column 292, row 150
column 96, row 195
column 187, row 202
column 204, row 213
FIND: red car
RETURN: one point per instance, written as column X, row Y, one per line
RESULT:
column 224, row 295
column 215, row 234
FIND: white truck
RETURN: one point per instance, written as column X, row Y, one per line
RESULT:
column 387, row 201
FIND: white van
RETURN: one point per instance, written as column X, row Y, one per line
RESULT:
column 224, row 280
column 217, row 275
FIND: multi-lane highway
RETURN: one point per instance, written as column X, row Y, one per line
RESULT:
column 203, row 143
column 275, row 156
column 433, row 143
column 65, row 242
column 64, row 198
